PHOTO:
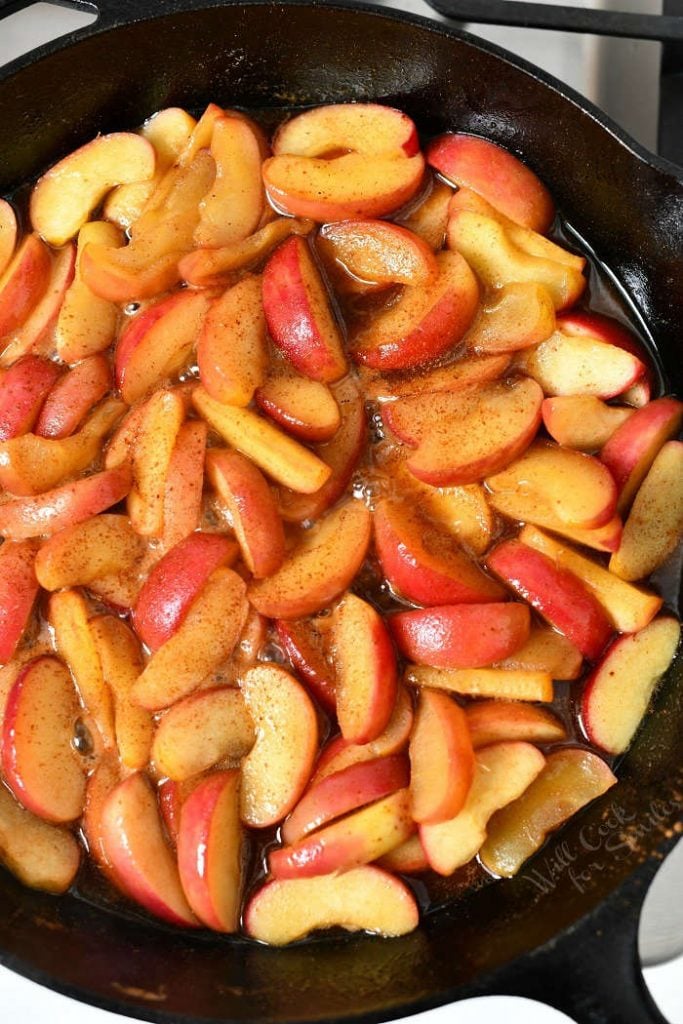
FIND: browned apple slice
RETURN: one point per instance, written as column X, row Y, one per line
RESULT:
column 570, row 780
column 66, row 195
column 38, row 758
column 18, row 590
column 567, row 364
column 232, row 209
column 36, row 332
column 320, row 566
column 205, row 638
column 453, row 376
column 73, row 396
column 156, row 437
column 200, row 731
column 619, row 690
column 134, row 845
column 276, row 770
column 547, row 651
column 441, row 758
column 377, row 252
column 461, row 635
column 503, row 772
column 184, row 484
column 23, row 389
column 529, row 508
column 497, row 721
column 406, row 859
column 365, row 899
column 8, row 234
column 502, row 683
column 429, row 219
column 79, row 554
column 232, row 353
column 583, row 422
column 23, row 283
column 304, row 643
column 41, row 855
column 633, row 447
column 304, row 407
column 213, row 268
column 518, row 316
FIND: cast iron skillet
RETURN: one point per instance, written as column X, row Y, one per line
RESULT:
column 566, row 934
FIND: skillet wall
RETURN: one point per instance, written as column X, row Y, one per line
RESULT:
column 632, row 213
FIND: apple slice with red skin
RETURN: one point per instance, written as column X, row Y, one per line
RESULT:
column 627, row 607
column 369, row 128
column 23, row 390
column 359, row 838
column 202, row 730
column 461, row 635
column 73, row 396
column 499, row 683
column 355, row 786
column 305, row 408
column 586, row 323
column 618, row 691
column 366, row 670
column 546, row 651
column 498, row 721
column 141, row 862
column 567, row 364
column 518, row 316
column 18, row 590
column 441, row 758
column 232, row 353
column 452, row 377
column 38, row 760
column 40, row 855
column 577, row 489
column 233, row 208
column 655, row 522
column 23, row 283
column 183, row 488
column 319, row 567
column 503, row 772
column 303, row 643
column 406, row 859
column 556, row 593
column 8, row 234
column 342, row 454
column 529, row 508
column 583, row 422
column 427, row 320
column 364, row 899
column 570, row 779
column 175, row 582
column 276, row 770
column 492, row 171
column 79, row 554
column 252, row 508
column 299, row 314
column 46, row 514
column 633, row 447
column 214, row 268
column 424, row 563
column 36, row 333
column 468, row 434
column 378, row 252
column 210, row 851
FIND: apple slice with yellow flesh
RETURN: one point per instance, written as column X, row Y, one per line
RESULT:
column 157, row 433
column 210, row 851
column 498, row 721
column 79, row 554
column 18, row 591
column 366, row 670
column 464, row 511
column 517, row 316
column 303, row 642
column 39, row 854
column 305, row 408
column 575, row 365
column 529, row 508
column 8, row 234
column 618, row 691
column 378, row 252
column 252, row 509
column 576, row 488
column 276, row 770
column 105, row 776
column 429, row 219
column 214, row 268
column 465, row 370
column 52, row 511
column 424, row 563
column 200, row 731
column 633, row 447
column 583, row 422
column 66, row 195
column 406, row 859
column 500, row 683
column 183, row 488
column 233, row 207
column 587, row 324
column 546, row 651
column 206, row 637
column 355, row 786
column 499, row 260
column 23, row 389
column 31, row 464
column 502, row 773
column 141, row 862
column 461, row 635
column 121, row 659
column 628, row 608
column 465, row 435
column 38, row 759
column 299, row 313
column 36, row 333
column 428, row 319
column 23, row 283
column 570, row 779
column 356, row 839
column 279, row 456
column 86, row 323
column 232, row 353
column 364, row 899
column 319, row 567
column 655, row 522
column 73, row 396
column 492, row 171
column 369, row 128
column 441, row 758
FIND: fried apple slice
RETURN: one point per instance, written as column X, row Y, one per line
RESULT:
column 441, row 758
column 81, row 553
column 37, row 853
column 156, row 438
column 232, row 353
column 501, row 683
column 18, row 590
column 499, row 721
column 233, row 208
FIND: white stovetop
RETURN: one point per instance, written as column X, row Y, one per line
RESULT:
column 621, row 77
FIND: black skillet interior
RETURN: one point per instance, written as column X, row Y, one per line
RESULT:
column 630, row 208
